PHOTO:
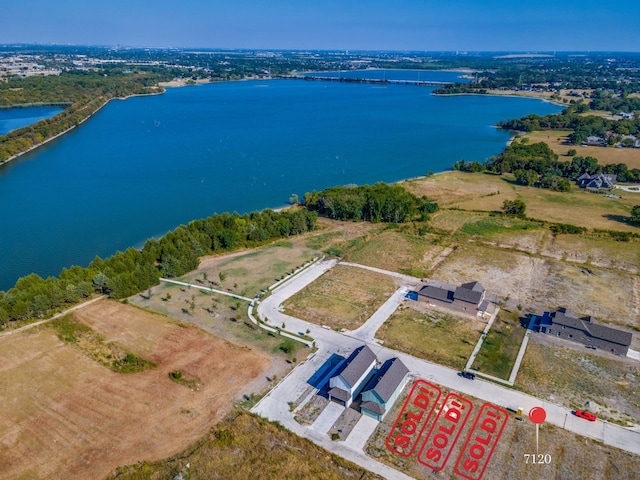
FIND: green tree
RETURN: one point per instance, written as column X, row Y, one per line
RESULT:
column 514, row 207
column 635, row 215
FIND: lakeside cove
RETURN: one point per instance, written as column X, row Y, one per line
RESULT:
column 152, row 163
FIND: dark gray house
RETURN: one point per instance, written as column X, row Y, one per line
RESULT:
column 565, row 324
column 468, row 297
column 597, row 181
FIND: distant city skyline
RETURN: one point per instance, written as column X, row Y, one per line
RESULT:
column 418, row 25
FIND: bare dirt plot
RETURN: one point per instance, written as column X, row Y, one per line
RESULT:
column 596, row 461
column 395, row 251
column 609, row 295
column 571, row 376
column 66, row 416
column 430, row 334
column 343, row 297
column 247, row 273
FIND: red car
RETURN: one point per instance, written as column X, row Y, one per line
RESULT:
column 586, row 415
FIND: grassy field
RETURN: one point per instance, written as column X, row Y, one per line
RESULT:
column 430, row 334
column 500, row 347
column 395, row 251
column 558, row 142
column 572, row 377
column 486, row 192
column 343, row 297
column 246, row 446
column 596, row 461
column 247, row 273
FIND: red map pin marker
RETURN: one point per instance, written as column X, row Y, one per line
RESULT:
column 537, row 415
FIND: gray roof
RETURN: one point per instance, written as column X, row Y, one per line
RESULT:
column 594, row 330
column 469, row 292
column 389, row 377
column 437, row 293
column 340, row 394
column 358, row 363
column 597, row 180
column 373, row 407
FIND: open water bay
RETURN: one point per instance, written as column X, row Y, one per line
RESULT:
column 142, row 166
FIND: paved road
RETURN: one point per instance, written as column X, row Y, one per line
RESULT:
column 222, row 292
column 367, row 331
column 275, row 406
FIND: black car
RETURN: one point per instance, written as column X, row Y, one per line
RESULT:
column 467, row 375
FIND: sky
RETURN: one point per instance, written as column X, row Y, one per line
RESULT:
column 425, row 25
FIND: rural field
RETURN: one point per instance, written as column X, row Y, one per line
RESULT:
column 558, row 142
column 487, row 192
column 343, row 297
column 431, row 334
column 508, row 461
column 65, row 415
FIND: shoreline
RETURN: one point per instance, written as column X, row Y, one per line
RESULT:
column 512, row 95
column 64, row 132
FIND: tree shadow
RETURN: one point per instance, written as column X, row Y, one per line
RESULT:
column 618, row 218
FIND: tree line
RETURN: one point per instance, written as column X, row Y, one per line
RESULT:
column 374, row 203
column 132, row 271
column 85, row 92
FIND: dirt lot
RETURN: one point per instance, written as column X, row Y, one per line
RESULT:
column 609, row 295
column 596, row 461
column 66, row 416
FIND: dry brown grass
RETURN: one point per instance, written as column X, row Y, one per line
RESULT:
column 572, row 376
column 343, row 297
column 559, row 143
column 543, row 283
column 430, row 334
column 66, row 416
column 484, row 192
column 244, row 447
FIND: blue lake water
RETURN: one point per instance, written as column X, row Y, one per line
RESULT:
column 13, row 118
column 142, row 166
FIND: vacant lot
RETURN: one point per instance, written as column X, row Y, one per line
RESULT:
column 597, row 461
column 501, row 345
column 486, row 192
column 67, row 416
column 571, row 376
column 247, row 273
column 246, row 446
column 559, row 143
column 395, row 251
column 220, row 315
column 343, row 297
column 610, row 295
column 431, row 334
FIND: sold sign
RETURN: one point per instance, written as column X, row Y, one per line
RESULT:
column 481, row 442
column 445, row 431
column 413, row 417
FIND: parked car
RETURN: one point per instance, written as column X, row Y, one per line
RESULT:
column 467, row 375
column 584, row 414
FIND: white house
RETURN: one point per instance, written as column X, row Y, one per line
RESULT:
column 346, row 385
